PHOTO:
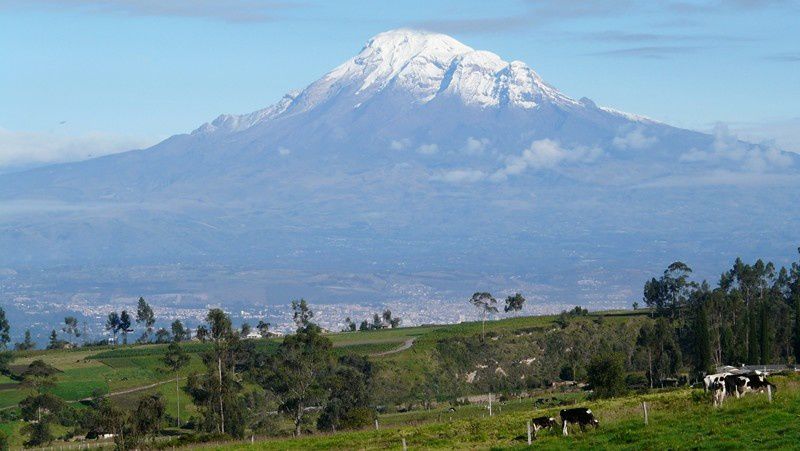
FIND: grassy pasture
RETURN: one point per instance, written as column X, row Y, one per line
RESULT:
column 679, row 419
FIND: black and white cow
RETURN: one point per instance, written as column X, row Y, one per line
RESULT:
column 736, row 385
column 578, row 415
column 717, row 389
column 758, row 383
column 540, row 423
column 711, row 378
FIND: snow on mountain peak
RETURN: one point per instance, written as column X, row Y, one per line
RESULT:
column 426, row 65
column 420, row 66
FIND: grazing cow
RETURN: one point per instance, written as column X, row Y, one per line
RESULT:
column 539, row 423
column 579, row 415
column 717, row 389
column 758, row 383
column 736, row 385
column 711, row 378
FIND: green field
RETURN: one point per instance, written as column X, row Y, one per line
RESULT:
column 678, row 419
column 125, row 368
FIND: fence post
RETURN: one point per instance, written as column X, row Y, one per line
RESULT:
column 769, row 393
column 490, row 404
column 376, row 424
column 529, row 432
column 404, row 444
column 644, row 407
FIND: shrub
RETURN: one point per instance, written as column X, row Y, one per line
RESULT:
column 606, row 375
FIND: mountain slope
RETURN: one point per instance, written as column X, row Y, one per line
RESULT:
column 418, row 154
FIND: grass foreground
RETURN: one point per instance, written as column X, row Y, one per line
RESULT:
column 678, row 419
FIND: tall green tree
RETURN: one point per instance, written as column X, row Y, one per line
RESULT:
column 113, row 325
column 302, row 314
column 487, row 304
column 702, row 341
column 176, row 358
column 668, row 294
column 217, row 392
column 296, row 374
column 146, row 318
column 179, row 332
column 220, row 332
column 125, row 325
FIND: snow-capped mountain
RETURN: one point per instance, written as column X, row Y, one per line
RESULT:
column 422, row 66
column 418, row 154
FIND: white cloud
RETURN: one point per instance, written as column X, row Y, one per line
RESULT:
column 727, row 148
column 460, row 176
column 400, row 144
column 282, row 151
column 545, row 154
column 634, row 140
column 475, row 146
column 428, row 149
column 19, row 149
column 784, row 133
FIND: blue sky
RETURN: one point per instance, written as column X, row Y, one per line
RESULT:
column 85, row 77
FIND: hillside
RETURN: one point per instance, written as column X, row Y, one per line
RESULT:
column 420, row 372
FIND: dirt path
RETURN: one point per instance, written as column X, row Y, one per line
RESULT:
column 132, row 390
column 406, row 345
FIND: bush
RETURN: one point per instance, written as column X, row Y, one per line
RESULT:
column 636, row 380
column 606, row 375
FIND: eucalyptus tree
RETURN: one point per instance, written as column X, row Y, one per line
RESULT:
column 113, row 325
column 487, row 304
column 145, row 317
column 125, row 325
